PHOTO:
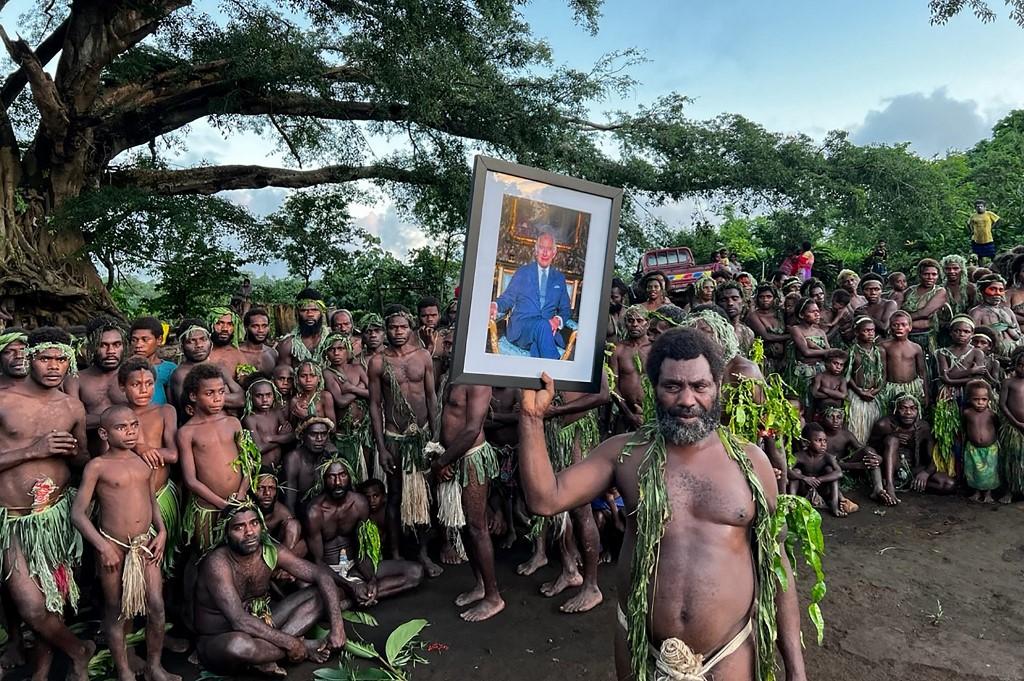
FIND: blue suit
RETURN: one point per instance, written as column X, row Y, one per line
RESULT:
column 529, row 324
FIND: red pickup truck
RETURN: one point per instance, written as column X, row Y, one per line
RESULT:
column 675, row 263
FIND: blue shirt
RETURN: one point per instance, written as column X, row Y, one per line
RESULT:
column 163, row 375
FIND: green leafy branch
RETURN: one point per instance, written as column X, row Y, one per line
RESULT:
column 803, row 525
column 401, row 653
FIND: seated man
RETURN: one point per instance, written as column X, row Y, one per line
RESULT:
column 237, row 624
column 904, row 440
column 280, row 521
column 538, row 299
column 341, row 536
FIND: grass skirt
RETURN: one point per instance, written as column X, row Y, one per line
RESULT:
column 169, row 501
column 1011, row 447
column 863, row 415
column 199, row 525
column 52, row 548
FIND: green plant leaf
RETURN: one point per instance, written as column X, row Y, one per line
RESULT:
column 359, row 617
column 363, row 650
column 401, row 636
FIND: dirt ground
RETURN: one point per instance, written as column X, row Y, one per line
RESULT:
column 930, row 590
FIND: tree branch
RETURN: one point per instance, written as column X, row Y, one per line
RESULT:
column 213, row 179
column 52, row 110
column 287, row 140
column 47, row 50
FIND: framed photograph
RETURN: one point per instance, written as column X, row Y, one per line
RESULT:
column 536, row 277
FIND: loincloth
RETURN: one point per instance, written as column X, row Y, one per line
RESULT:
column 676, row 661
column 481, row 461
column 410, row 448
column 199, row 525
column 169, row 501
column 981, row 466
column 562, row 441
column 133, row 573
column 51, row 545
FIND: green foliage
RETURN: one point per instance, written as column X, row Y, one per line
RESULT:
column 802, row 524
column 194, row 281
column 373, row 278
column 269, row 290
column 400, row 657
column 134, row 296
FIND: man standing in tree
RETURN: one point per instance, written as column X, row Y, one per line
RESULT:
column 225, row 333
column 690, row 489
column 97, row 386
column 981, row 226
column 146, row 336
column 307, row 339
column 42, row 430
column 473, row 463
column 403, row 409
column 254, row 349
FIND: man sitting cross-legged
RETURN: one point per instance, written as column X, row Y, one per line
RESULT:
column 237, row 623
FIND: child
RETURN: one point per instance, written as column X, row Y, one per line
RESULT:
column 851, row 454
column 897, row 287
column 958, row 363
column 984, row 339
column 377, row 498
column 1011, row 432
column 981, row 451
column 789, row 304
column 905, row 368
column 866, row 373
column 347, row 384
column 816, row 471
column 283, row 379
column 829, row 387
column 210, row 457
column 310, row 399
column 158, row 425
column 265, row 418
column 838, row 319
column 129, row 541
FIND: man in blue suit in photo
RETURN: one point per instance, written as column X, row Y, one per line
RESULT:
column 539, row 300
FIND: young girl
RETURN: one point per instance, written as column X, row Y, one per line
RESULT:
column 347, row 384
column 310, row 400
column 810, row 346
column 959, row 363
column 981, row 451
column 865, row 370
column 265, row 417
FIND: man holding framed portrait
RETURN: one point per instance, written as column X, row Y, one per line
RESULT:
column 538, row 299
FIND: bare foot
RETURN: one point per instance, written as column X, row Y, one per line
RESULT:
column 471, row 596
column 430, row 567
column 80, row 663
column 158, row 673
column 847, row 505
column 1006, row 498
column 269, row 669
column 536, row 562
column 42, row 661
column 987, row 498
column 509, row 540
column 13, row 656
column 449, row 556
column 483, row 610
column 564, row 581
column 316, row 651
column 815, row 499
column 174, row 644
column 838, row 512
column 975, row 497
column 606, row 557
column 586, row 599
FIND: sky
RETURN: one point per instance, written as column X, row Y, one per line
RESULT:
column 875, row 68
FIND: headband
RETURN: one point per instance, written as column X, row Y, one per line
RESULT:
column 192, row 329
column 981, row 335
column 333, row 338
column 371, row 319
column 637, row 311
column 657, row 316
column 962, row 319
column 325, row 465
column 216, row 313
column 845, row 274
column 236, row 506
column 725, row 334
column 903, row 397
column 860, row 321
column 312, row 422
column 399, row 313
column 312, row 301
column 248, row 408
column 833, row 409
column 12, row 337
column 69, row 354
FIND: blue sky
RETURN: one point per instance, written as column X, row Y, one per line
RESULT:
column 877, row 69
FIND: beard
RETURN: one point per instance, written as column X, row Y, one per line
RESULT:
column 309, row 329
column 219, row 340
column 614, row 308
column 679, row 433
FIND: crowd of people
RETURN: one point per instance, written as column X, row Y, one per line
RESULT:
column 245, row 486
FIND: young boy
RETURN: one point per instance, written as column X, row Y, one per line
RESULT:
column 829, row 387
column 897, row 287
column 146, row 337
column 905, row 368
column 156, row 446
column 851, row 453
column 1011, row 432
column 264, row 416
column 283, row 378
column 816, row 471
column 129, row 541
column 981, row 451
column 310, row 399
column 208, row 447
column 377, row 496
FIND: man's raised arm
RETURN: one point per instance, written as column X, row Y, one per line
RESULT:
column 546, row 493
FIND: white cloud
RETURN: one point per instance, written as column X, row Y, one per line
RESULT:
column 395, row 235
column 933, row 124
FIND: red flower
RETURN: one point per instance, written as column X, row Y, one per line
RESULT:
column 437, row 647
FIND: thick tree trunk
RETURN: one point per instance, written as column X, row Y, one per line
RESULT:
column 45, row 277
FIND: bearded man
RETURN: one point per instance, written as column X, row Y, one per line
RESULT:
column 307, row 338
column 690, row 489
